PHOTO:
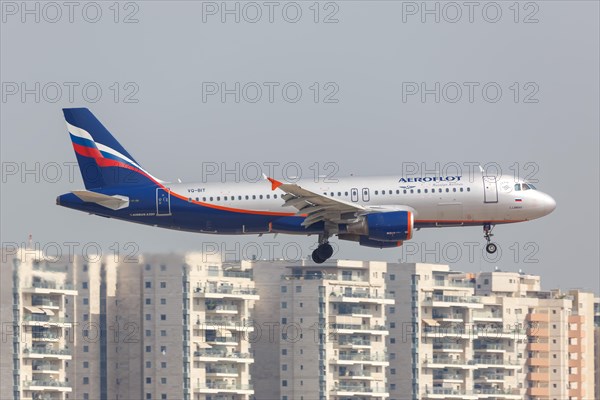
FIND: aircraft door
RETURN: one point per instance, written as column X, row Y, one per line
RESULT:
column 365, row 194
column 490, row 189
column 163, row 202
column 354, row 194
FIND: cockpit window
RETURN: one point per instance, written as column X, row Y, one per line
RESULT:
column 531, row 186
column 527, row 186
column 517, row 187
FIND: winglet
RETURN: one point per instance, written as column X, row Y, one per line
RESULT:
column 274, row 182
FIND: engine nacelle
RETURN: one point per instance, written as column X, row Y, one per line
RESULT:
column 365, row 241
column 391, row 226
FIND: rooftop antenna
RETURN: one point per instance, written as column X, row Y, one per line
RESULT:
column 30, row 241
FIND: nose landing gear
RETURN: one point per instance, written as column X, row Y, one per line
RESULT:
column 323, row 252
column 487, row 234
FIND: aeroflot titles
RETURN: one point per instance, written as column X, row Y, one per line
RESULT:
column 455, row 178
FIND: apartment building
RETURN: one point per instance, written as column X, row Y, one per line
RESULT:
column 37, row 328
column 184, row 322
column 323, row 330
column 486, row 335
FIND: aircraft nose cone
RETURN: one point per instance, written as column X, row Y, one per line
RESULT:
column 549, row 204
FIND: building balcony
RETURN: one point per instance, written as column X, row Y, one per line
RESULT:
column 489, row 378
column 222, row 387
column 359, row 391
column 356, row 328
column 537, row 331
column 448, row 393
column 481, row 316
column 447, row 362
column 221, row 371
column 354, row 343
column 448, row 347
column 47, row 386
column 576, row 334
column 221, row 323
column 490, row 348
column 496, row 362
column 44, row 303
column 447, row 317
column 51, row 288
column 449, row 332
column 224, row 292
column 453, row 284
column 576, row 348
column 575, row 319
column 452, row 301
column 360, row 297
column 350, row 359
column 361, row 375
column 216, row 356
column 580, row 363
column 45, row 320
column 46, row 368
column 221, row 309
column 448, row 378
column 495, row 393
column 62, row 354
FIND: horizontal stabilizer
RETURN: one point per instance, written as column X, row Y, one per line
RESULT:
column 115, row 202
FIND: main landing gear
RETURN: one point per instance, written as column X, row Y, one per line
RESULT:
column 324, row 251
column 487, row 234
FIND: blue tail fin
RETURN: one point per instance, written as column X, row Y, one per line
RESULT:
column 102, row 160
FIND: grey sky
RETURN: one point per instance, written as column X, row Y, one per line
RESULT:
column 371, row 130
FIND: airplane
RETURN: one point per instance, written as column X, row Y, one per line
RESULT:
column 380, row 212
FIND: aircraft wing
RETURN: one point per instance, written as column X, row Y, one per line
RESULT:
column 317, row 207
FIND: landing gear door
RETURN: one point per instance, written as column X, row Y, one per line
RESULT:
column 490, row 189
column 163, row 202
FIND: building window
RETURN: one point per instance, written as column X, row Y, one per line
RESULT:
column 86, row 349
column 163, row 396
column 84, row 285
column 148, row 364
column 86, row 380
column 148, row 395
column 86, row 301
column 163, row 364
column 148, row 332
column 148, row 302
column 86, row 364
column 298, row 289
column 148, row 317
column 163, row 267
column 284, row 367
column 284, row 352
column 163, row 301
column 163, row 317
column 148, row 349
column 163, row 285
column 284, row 289
column 148, row 381
column 392, row 277
column 284, row 382
column 163, row 381
column 283, row 304
column 283, row 321
column 163, row 333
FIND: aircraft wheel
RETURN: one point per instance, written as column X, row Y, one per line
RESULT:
column 491, row 248
column 316, row 258
column 325, row 251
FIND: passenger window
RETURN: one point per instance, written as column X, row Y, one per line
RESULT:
column 404, row 191
column 412, row 191
column 383, row 192
column 454, row 189
column 517, row 187
column 346, row 194
column 447, row 190
column 274, row 196
column 239, row 197
column 377, row 192
column 418, row 190
column 225, row 198
column 461, row 189
column 425, row 191
column 218, row 198
column 332, row 194
column 197, row 199
column 204, row 199
column 247, row 197
column 211, row 199
column 440, row 190
column 397, row 191
column 468, row 189
column 339, row 194
column 260, row 196
column 253, row 197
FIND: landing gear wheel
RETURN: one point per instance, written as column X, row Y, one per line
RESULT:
column 316, row 258
column 487, row 234
column 491, row 248
column 325, row 251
